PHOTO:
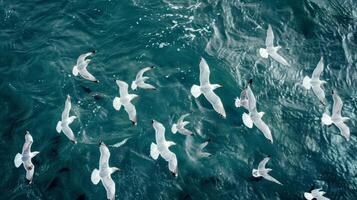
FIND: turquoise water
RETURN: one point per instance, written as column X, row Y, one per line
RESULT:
column 41, row 40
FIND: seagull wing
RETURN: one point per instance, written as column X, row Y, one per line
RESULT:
column 81, row 58
column 215, row 102
column 270, row 178
column 345, row 131
column 85, row 74
column 318, row 70
column 28, row 143
column 319, row 92
column 279, row 58
column 130, row 109
column 109, row 186
column 67, row 108
column 204, row 72
column 263, row 127
column 141, row 73
column 180, row 120
column 252, row 102
column 104, row 156
column 123, row 88
column 68, row 132
column 337, row 105
column 269, row 41
column 261, row 166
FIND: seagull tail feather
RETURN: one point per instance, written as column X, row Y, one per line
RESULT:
column 75, row 70
column 174, row 129
column 306, row 82
column 18, row 160
column 196, row 91
column 59, row 126
column 116, row 103
column 95, row 178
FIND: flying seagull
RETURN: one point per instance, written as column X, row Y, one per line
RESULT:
column 81, row 67
column 104, row 172
column 140, row 79
column 248, row 101
column 315, row 83
column 271, row 50
column 162, row 147
column 66, row 121
column 336, row 117
column 26, row 156
column 125, row 100
column 263, row 172
column 196, row 151
column 315, row 194
column 180, row 126
column 206, row 88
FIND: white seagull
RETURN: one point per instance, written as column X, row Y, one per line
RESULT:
column 125, row 100
column 162, row 147
column 81, row 67
column 248, row 101
column 271, row 50
column 180, row 126
column 104, row 172
column 66, row 121
column 26, row 156
column 315, row 83
column 263, row 172
column 336, row 117
column 206, row 88
column 316, row 194
column 140, row 79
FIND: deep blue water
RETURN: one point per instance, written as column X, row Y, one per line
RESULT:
column 41, row 40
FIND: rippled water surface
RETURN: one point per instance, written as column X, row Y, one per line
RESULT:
column 41, row 40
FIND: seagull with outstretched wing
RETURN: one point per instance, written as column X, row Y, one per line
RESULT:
column 104, row 172
column 206, row 88
column 263, row 172
column 272, row 50
column 125, row 100
column 336, row 117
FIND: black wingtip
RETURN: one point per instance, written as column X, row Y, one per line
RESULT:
column 209, row 140
column 100, row 143
column 333, row 92
column 152, row 121
column 152, row 67
column 250, row 81
column 94, row 51
column 269, row 156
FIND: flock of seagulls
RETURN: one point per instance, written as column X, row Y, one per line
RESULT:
column 161, row 147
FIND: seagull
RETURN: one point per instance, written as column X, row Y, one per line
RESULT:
column 247, row 100
column 162, row 147
column 263, row 172
column 81, row 67
column 140, row 80
column 315, row 194
column 336, row 117
column 271, row 50
column 66, row 121
column 180, row 126
column 196, row 150
column 104, row 172
column 315, row 83
column 206, row 88
column 26, row 156
column 125, row 100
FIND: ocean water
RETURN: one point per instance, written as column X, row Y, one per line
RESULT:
column 41, row 40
